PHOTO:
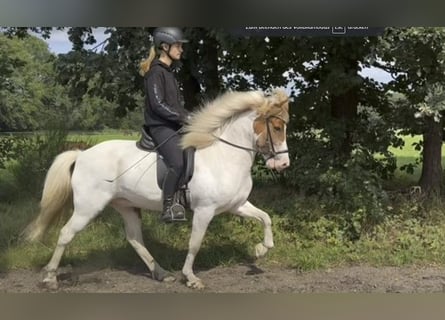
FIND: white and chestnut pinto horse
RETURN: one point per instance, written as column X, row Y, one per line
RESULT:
column 227, row 133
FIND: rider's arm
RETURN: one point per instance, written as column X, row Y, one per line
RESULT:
column 155, row 92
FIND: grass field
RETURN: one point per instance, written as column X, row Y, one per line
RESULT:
column 96, row 137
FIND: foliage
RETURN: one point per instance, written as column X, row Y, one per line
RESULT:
column 34, row 92
column 113, row 66
column 8, row 62
column 36, row 155
column 415, row 58
column 353, row 189
column 6, row 150
column 30, row 95
column 358, row 192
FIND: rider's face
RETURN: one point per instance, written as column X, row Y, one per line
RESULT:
column 176, row 50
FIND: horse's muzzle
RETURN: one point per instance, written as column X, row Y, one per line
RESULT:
column 278, row 164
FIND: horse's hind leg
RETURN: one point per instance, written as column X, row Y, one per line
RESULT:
column 248, row 210
column 75, row 224
column 133, row 230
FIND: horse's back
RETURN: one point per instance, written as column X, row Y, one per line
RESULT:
column 114, row 149
column 112, row 145
column 106, row 159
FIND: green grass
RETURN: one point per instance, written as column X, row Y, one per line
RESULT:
column 395, row 243
column 97, row 137
column 301, row 243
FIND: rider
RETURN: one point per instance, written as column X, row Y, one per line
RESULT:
column 164, row 109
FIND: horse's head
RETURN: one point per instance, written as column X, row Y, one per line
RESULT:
column 270, row 130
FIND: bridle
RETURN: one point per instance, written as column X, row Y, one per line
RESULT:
column 269, row 154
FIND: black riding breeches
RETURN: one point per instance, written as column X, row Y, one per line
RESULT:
column 167, row 141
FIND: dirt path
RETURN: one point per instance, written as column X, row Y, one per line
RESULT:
column 239, row 279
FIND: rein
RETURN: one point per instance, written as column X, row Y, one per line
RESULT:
column 234, row 145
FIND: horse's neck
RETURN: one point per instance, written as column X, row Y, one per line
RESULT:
column 239, row 131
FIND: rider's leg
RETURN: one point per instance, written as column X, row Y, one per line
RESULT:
column 168, row 142
column 168, row 190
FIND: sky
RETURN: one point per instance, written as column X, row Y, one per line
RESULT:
column 59, row 43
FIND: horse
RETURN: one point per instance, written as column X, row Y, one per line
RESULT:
column 226, row 132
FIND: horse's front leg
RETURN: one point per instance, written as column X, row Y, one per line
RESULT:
column 201, row 220
column 248, row 210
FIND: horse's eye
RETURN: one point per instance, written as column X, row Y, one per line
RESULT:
column 278, row 129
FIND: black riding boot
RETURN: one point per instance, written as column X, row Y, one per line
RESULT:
column 167, row 209
column 171, row 211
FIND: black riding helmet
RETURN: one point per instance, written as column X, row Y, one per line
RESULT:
column 168, row 35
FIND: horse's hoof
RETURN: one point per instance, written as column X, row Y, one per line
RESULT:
column 161, row 275
column 169, row 278
column 260, row 250
column 50, row 284
column 196, row 284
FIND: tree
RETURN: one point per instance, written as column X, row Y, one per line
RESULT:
column 416, row 58
column 28, row 92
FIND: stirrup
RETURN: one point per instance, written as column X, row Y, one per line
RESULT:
column 176, row 213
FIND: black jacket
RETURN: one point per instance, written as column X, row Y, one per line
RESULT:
column 163, row 102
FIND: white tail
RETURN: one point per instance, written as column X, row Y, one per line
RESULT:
column 56, row 193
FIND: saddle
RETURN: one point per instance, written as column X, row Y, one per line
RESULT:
column 182, row 195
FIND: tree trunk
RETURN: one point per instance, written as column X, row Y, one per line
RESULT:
column 200, row 70
column 211, row 80
column 431, row 178
column 344, row 110
column 191, row 91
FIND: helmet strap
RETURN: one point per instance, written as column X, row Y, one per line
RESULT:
column 175, row 64
column 167, row 51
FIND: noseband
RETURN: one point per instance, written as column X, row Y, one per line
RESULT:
column 271, row 153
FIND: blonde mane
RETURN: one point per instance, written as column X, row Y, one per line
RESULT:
column 218, row 112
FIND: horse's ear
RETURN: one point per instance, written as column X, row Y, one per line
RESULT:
column 275, row 101
column 285, row 100
column 282, row 99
